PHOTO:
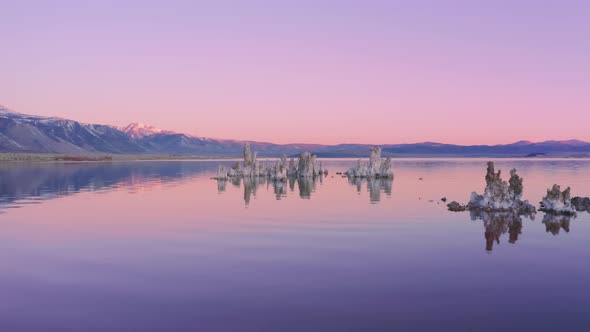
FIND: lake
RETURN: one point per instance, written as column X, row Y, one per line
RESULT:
column 160, row 246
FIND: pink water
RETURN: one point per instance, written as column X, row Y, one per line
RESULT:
column 159, row 246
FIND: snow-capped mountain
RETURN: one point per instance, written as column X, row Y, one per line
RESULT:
column 140, row 130
column 30, row 133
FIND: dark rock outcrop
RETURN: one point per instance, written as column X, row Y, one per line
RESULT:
column 581, row 203
column 456, row 206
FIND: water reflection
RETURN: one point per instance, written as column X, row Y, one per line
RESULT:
column 374, row 186
column 280, row 189
column 22, row 184
column 305, row 185
column 498, row 223
column 221, row 185
column 555, row 223
column 187, row 246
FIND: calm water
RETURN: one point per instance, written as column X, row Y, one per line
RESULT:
column 159, row 246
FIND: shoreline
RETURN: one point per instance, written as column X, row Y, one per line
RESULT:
column 61, row 158
column 72, row 158
column 7, row 157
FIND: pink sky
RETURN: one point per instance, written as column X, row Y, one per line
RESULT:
column 306, row 71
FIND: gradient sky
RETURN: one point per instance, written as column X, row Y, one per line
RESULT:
column 465, row 72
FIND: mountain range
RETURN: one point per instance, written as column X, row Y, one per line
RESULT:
column 37, row 134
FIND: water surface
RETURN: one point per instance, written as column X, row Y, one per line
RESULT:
column 159, row 246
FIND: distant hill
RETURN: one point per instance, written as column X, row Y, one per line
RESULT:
column 37, row 134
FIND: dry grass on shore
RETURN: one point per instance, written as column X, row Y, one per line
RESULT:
column 50, row 157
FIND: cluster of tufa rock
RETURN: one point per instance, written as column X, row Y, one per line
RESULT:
column 498, row 195
column 559, row 202
column 375, row 168
column 581, row 203
column 280, row 170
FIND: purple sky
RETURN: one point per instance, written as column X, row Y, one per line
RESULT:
column 464, row 72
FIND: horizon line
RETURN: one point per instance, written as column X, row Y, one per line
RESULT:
column 172, row 132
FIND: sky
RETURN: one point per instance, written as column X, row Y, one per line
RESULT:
column 375, row 72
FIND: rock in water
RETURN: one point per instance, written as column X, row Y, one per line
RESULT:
column 306, row 166
column 292, row 170
column 558, row 202
column 456, row 206
column 280, row 171
column 249, row 165
column 248, row 157
column 376, row 168
column 515, row 187
column 375, row 160
column 221, row 173
column 581, row 203
column 500, row 195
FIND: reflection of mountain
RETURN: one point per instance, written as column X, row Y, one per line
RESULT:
column 374, row 187
column 555, row 223
column 306, row 186
column 498, row 223
column 46, row 181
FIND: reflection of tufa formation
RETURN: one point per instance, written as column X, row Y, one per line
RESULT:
column 376, row 168
column 305, row 166
column 498, row 195
column 498, row 223
column 554, row 223
column 374, row 186
column 306, row 185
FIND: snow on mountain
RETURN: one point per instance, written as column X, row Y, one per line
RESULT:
column 31, row 133
column 140, row 130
